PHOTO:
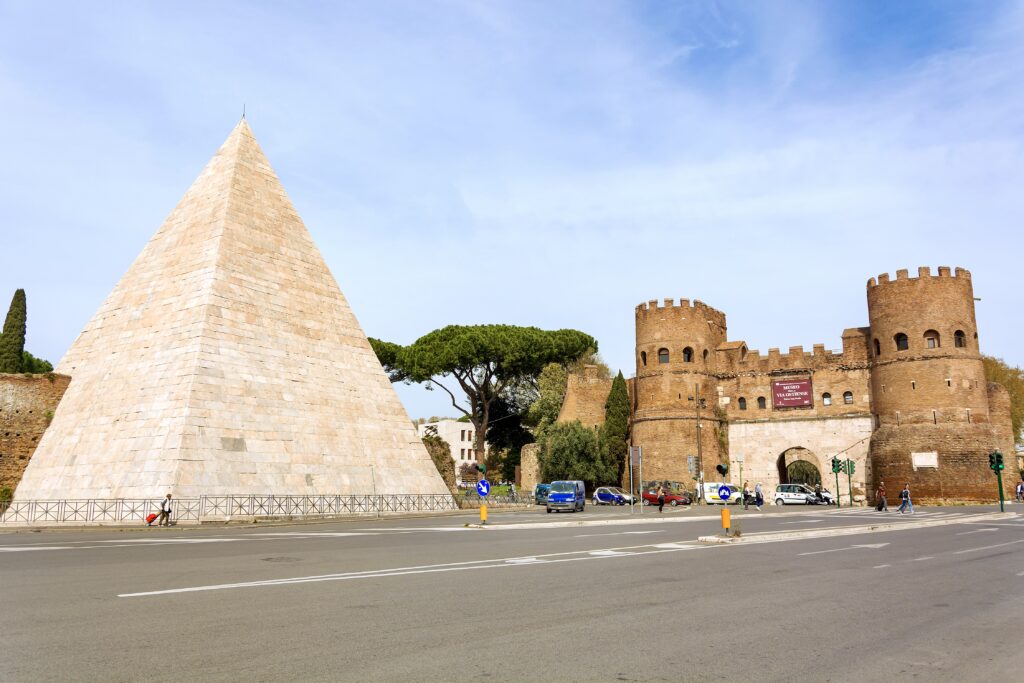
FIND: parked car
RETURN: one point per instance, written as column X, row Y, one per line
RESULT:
column 798, row 494
column 711, row 496
column 567, row 495
column 673, row 499
column 540, row 493
column 611, row 495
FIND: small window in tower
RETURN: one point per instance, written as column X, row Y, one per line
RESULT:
column 931, row 339
column 743, row 403
column 959, row 339
column 949, row 382
column 687, row 355
column 878, row 349
column 913, row 385
column 826, row 399
column 848, row 397
column 662, row 355
column 761, row 403
column 902, row 343
column 935, row 417
column 968, row 415
column 643, row 358
column 705, row 356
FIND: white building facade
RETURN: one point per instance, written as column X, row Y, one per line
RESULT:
column 460, row 437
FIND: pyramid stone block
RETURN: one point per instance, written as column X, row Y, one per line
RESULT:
column 227, row 361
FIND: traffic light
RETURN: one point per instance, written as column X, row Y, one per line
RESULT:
column 851, row 467
column 999, row 461
column 722, row 468
column 481, row 468
column 837, row 465
column 992, row 461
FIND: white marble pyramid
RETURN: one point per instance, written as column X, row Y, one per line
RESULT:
column 227, row 361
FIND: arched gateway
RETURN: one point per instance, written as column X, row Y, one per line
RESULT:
column 799, row 466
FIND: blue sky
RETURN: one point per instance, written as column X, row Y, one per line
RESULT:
column 537, row 163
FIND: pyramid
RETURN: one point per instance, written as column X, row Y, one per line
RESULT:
column 227, row 361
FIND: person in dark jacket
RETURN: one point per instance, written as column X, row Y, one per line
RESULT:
column 661, row 498
column 883, row 503
column 905, row 500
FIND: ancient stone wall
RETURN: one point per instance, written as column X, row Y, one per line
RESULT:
column 27, row 404
column 529, row 468
column 585, row 397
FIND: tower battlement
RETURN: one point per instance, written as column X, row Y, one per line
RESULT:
column 923, row 273
column 684, row 306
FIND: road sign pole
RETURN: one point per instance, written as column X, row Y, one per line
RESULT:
column 839, row 498
column 999, row 480
column 640, row 475
column 631, row 489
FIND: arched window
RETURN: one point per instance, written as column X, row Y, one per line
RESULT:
column 643, row 357
column 687, row 355
column 761, row 403
column 826, row 399
column 902, row 343
column 848, row 397
column 931, row 339
column 743, row 403
column 705, row 356
column 662, row 355
column 959, row 339
column 878, row 348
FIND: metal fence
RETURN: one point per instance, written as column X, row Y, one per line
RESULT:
column 96, row 511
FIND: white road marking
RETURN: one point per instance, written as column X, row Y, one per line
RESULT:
column 881, row 566
column 1020, row 573
column 988, row 547
column 21, row 549
column 964, row 533
column 621, row 533
column 317, row 534
column 874, row 546
column 675, row 546
column 922, row 559
column 552, row 558
column 165, row 541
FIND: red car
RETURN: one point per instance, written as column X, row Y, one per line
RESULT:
column 673, row 499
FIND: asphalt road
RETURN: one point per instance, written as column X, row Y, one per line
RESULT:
column 535, row 597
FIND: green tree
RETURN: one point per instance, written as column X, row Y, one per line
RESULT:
column 997, row 370
column 12, row 341
column 35, row 365
column 487, row 362
column 570, row 450
column 441, row 453
column 506, row 437
column 615, row 430
column 551, row 384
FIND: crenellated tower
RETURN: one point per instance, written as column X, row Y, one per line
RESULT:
column 931, row 402
column 675, row 363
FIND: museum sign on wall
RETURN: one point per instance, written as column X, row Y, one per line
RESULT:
column 792, row 393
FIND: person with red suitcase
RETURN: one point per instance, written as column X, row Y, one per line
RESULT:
column 150, row 519
column 165, row 512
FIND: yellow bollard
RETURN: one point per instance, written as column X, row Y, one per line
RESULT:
column 483, row 513
column 725, row 519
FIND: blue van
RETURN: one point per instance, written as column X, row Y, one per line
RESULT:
column 567, row 495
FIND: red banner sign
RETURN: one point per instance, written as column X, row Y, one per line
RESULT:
column 792, row 393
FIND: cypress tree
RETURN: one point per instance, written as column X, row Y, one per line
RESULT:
column 615, row 430
column 12, row 342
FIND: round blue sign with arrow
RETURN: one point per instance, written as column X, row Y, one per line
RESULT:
column 724, row 492
column 483, row 487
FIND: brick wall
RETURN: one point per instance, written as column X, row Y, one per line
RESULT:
column 27, row 403
column 585, row 396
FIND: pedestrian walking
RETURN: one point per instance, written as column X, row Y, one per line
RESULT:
column 661, row 498
column 882, row 504
column 905, row 503
column 1020, row 491
column 758, row 496
column 165, row 512
column 746, row 495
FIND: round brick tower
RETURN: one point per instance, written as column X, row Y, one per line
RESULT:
column 929, row 393
column 675, row 358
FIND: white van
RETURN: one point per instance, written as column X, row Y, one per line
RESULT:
column 711, row 496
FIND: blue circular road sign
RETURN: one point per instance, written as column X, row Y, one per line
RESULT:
column 724, row 492
column 483, row 487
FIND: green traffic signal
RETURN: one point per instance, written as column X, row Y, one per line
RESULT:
column 851, row 467
column 992, row 462
column 999, row 460
column 722, row 468
column 837, row 465
column 481, row 468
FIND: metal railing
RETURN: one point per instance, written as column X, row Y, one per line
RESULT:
column 93, row 511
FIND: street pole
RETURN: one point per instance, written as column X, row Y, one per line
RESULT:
column 696, row 398
column 629, row 463
column 373, row 481
column 849, row 480
column 839, row 497
column 999, row 479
